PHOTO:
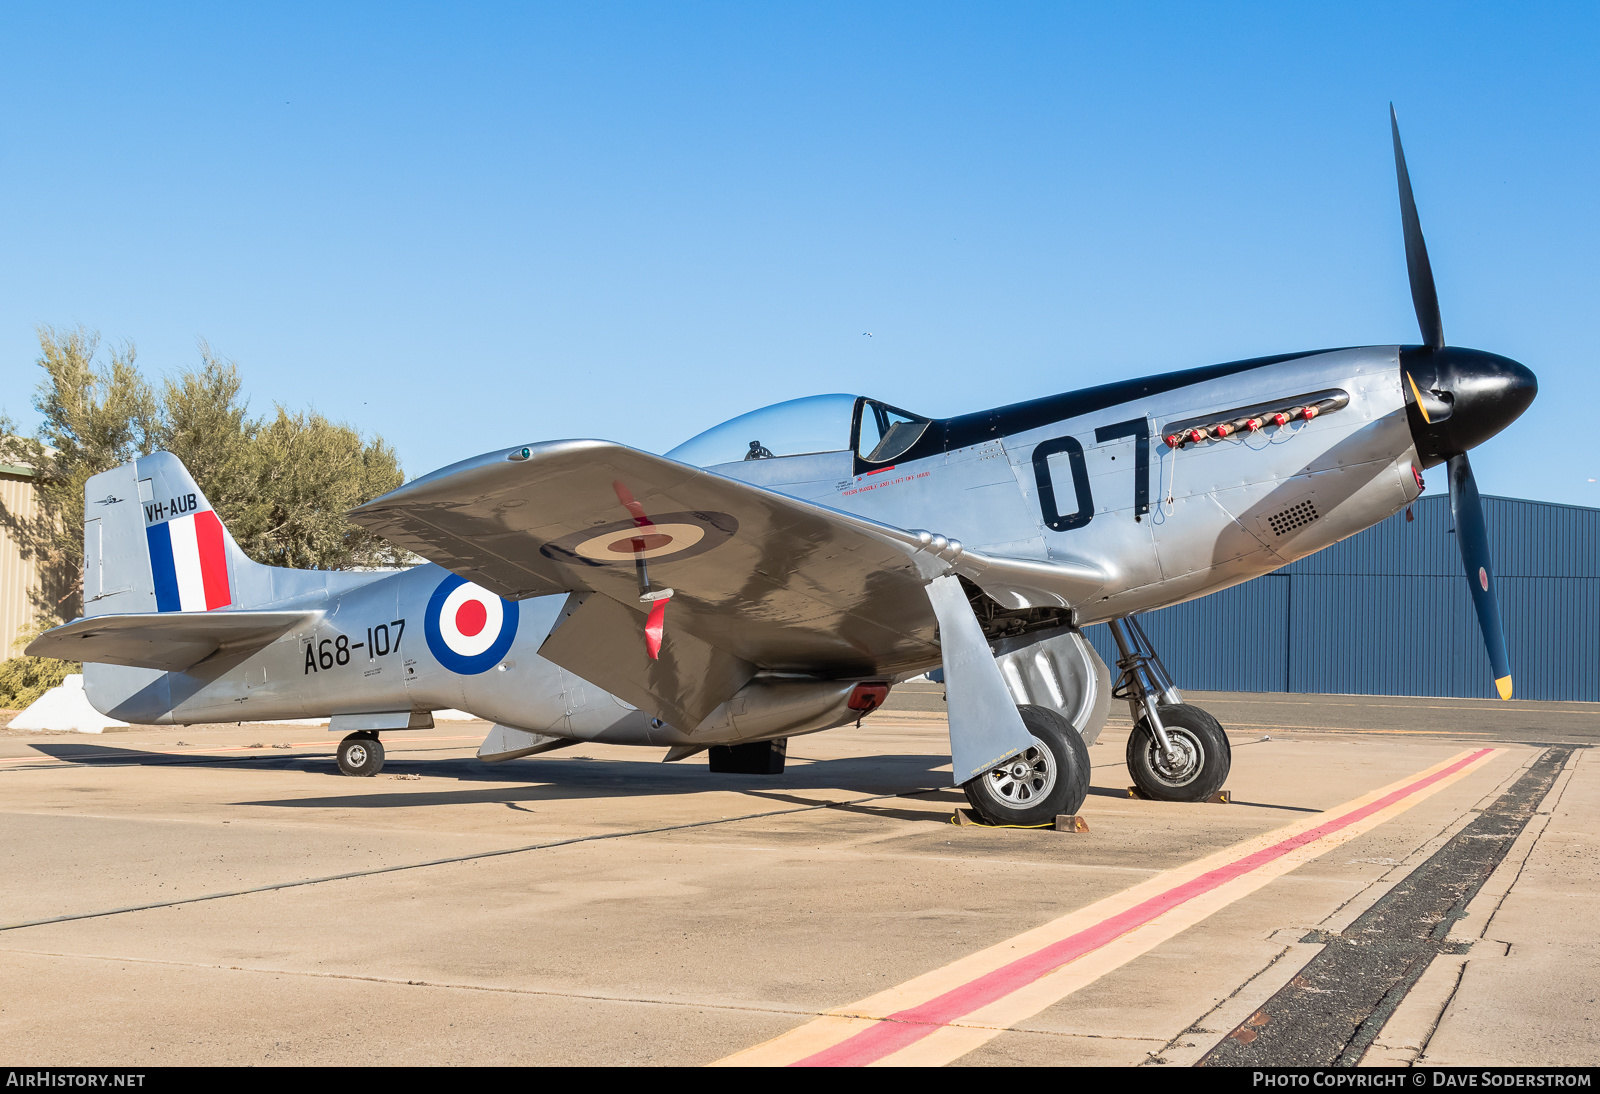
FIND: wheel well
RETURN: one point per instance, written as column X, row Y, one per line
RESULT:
column 999, row 621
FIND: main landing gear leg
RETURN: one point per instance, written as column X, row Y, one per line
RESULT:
column 361, row 754
column 1177, row 752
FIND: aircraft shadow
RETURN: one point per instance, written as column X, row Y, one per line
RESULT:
column 561, row 778
column 541, row 778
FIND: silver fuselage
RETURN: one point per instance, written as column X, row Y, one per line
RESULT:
column 1220, row 512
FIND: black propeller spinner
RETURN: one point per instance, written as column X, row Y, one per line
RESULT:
column 1455, row 400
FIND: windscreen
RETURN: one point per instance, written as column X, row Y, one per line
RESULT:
column 887, row 432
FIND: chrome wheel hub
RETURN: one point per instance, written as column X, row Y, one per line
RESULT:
column 357, row 755
column 1183, row 765
column 1025, row 779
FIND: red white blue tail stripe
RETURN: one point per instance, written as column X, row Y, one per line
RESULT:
column 189, row 563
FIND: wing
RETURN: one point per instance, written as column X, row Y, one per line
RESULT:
column 761, row 581
column 171, row 641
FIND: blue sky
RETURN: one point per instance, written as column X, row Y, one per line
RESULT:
column 468, row 226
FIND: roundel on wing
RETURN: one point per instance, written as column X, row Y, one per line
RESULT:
column 469, row 629
column 671, row 535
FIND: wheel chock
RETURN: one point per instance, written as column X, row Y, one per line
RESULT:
column 1064, row 822
column 1219, row 798
column 1135, row 792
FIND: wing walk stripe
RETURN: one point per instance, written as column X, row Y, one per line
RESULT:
column 945, row 1014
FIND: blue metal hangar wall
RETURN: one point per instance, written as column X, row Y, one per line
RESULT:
column 1387, row 612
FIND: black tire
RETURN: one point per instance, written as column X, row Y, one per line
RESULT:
column 1057, row 782
column 361, row 755
column 1203, row 766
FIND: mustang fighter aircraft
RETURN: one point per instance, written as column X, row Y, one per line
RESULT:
column 778, row 574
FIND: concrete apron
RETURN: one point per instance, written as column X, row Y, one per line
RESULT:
column 739, row 910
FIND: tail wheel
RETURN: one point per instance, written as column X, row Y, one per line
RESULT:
column 361, row 754
column 1047, row 780
column 1201, row 762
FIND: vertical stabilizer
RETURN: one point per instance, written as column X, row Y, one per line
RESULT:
column 153, row 543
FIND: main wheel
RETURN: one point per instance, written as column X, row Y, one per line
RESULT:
column 1049, row 779
column 361, row 754
column 1202, row 762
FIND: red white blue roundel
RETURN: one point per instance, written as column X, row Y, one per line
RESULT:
column 469, row 629
column 673, row 537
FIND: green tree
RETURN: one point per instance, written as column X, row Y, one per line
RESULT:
column 96, row 416
column 282, row 484
column 307, row 472
column 205, row 422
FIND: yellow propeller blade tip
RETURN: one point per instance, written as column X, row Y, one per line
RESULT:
column 1504, row 686
column 1421, row 409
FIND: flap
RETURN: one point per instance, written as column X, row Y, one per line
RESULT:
column 171, row 641
column 603, row 641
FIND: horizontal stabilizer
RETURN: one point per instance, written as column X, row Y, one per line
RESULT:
column 171, row 641
column 506, row 743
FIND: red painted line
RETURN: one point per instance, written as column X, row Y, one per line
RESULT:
column 909, row 1026
column 879, row 471
column 213, row 559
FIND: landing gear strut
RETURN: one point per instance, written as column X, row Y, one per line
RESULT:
column 361, row 754
column 1177, row 752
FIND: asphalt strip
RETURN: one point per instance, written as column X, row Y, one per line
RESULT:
column 1331, row 1010
column 298, row 883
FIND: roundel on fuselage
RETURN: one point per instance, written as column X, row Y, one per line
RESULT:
column 469, row 629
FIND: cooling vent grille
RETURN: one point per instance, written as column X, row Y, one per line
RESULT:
column 1292, row 518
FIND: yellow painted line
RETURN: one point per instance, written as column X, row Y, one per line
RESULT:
column 945, row 1014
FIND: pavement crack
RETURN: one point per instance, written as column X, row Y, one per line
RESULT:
column 1334, row 1007
column 450, row 860
column 600, row 997
column 1433, row 1027
column 603, row 997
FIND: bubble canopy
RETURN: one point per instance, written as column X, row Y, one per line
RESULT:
column 817, row 423
column 800, row 427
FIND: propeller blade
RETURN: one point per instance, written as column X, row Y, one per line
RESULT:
column 1472, row 535
column 1423, row 296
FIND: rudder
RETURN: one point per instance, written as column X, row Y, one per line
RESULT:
column 153, row 543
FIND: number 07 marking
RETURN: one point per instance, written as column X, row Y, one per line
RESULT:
column 1048, row 506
